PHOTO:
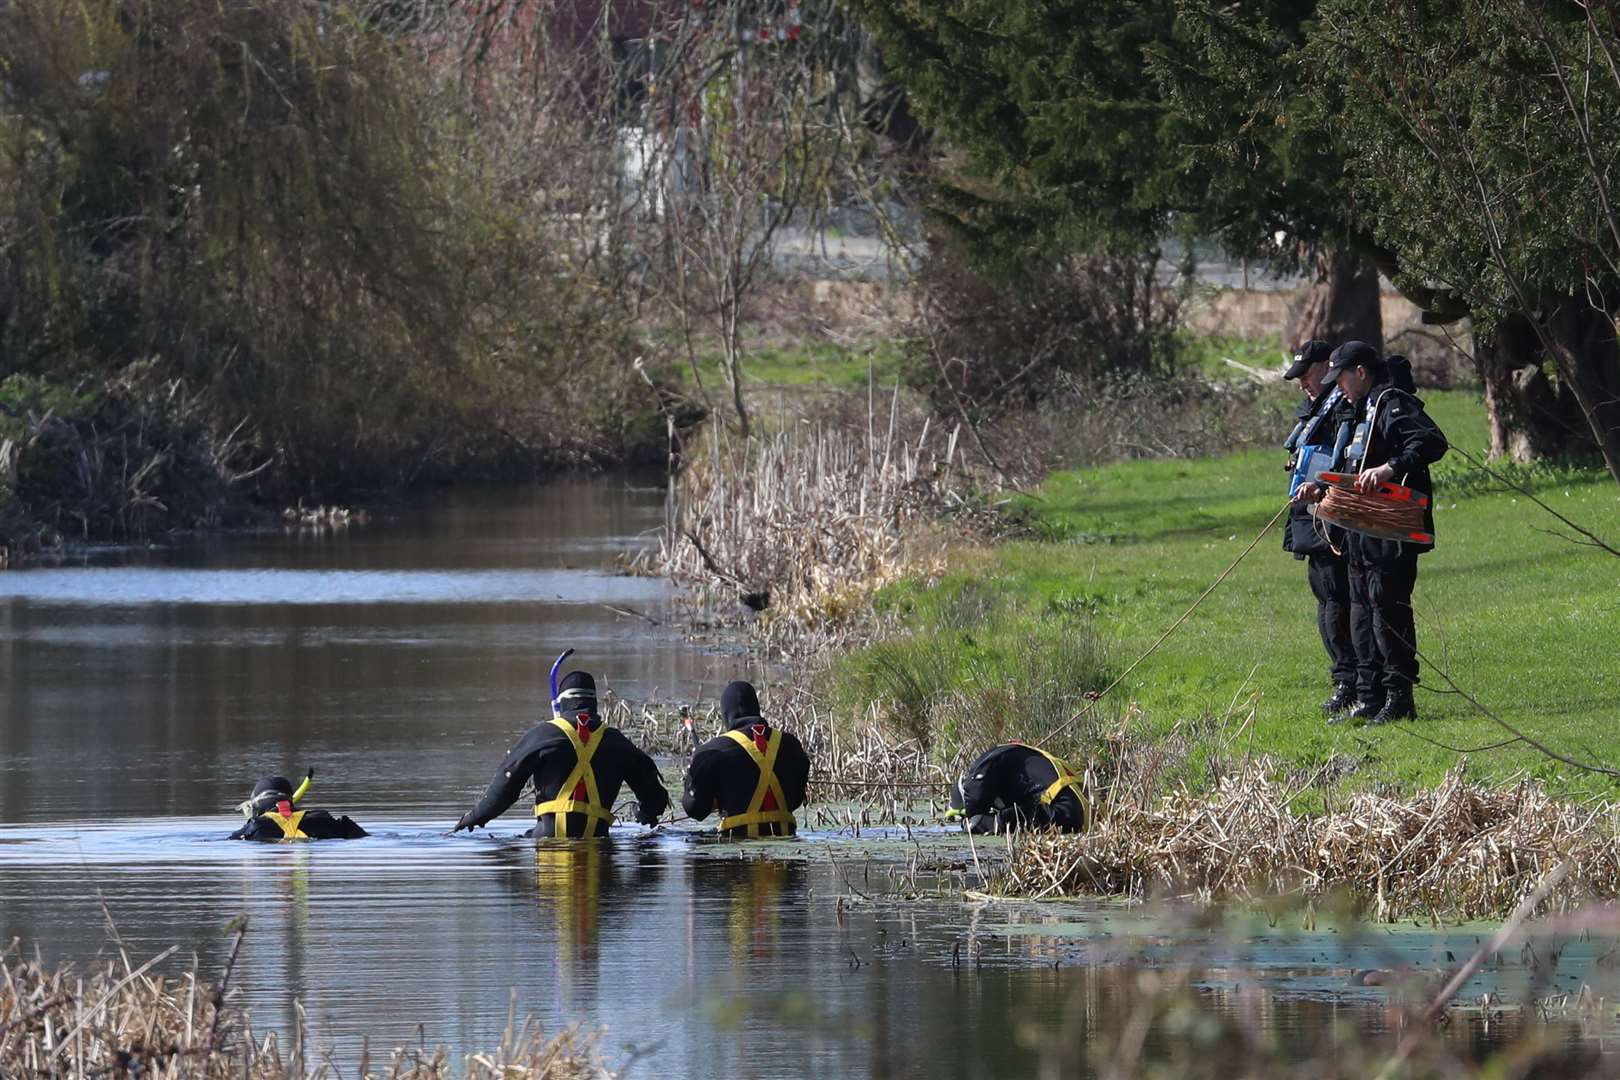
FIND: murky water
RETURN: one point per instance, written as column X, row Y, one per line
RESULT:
column 141, row 694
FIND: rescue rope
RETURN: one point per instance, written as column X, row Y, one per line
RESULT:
column 1099, row 695
column 1371, row 514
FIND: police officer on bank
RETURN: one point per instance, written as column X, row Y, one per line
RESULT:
column 1320, row 416
column 1396, row 443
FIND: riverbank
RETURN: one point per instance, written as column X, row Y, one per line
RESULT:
column 1508, row 610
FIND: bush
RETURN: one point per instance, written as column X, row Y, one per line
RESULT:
column 297, row 217
column 981, row 348
column 115, row 460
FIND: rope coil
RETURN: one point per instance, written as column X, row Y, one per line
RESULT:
column 1373, row 514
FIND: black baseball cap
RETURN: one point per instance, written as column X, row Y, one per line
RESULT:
column 1311, row 352
column 1348, row 355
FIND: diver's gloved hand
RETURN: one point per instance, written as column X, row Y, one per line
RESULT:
column 466, row 822
column 641, row 816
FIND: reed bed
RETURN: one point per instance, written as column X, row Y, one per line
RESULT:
column 803, row 526
column 1461, row 850
column 120, row 1019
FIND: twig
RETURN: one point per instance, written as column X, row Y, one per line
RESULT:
column 1466, row 972
column 1592, row 538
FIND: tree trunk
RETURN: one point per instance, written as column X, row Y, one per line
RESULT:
column 1531, row 416
column 1584, row 348
column 1342, row 303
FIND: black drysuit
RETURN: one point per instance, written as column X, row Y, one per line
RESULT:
column 724, row 777
column 314, row 824
column 546, row 756
column 1003, row 790
column 1383, row 573
column 1327, row 571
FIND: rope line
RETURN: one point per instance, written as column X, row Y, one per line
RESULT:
column 1061, row 728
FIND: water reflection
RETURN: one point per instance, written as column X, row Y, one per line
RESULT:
column 390, row 657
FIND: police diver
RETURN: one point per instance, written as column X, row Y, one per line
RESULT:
column 1015, row 786
column 577, row 765
column 273, row 815
column 753, row 774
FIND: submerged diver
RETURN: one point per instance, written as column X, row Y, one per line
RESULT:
column 577, row 765
column 271, row 815
column 754, row 774
column 1014, row 786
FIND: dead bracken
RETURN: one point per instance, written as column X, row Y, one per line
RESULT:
column 1462, row 850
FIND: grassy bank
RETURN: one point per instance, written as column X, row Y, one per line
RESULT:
column 1521, row 618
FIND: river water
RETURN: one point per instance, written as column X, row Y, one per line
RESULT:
column 142, row 691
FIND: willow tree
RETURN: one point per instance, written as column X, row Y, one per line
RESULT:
column 281, row 205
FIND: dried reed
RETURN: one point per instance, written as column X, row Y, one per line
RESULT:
column 1461, row 850
column 804, row 525
column 124, row 1020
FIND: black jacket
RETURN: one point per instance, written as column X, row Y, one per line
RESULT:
column 546, row 756
column 1002, row 790
column 315, row 825
column 723, row 776
column 1404, row 437
column 1301, row 536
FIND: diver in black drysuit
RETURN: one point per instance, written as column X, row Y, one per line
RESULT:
column 271, row 816
column 547, row 756
column 725, row 777
column 1007, row 788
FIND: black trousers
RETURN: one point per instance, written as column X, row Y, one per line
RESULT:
column 1381, row 621
column 1329, row 576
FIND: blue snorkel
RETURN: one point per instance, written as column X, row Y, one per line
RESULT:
column 566, row 653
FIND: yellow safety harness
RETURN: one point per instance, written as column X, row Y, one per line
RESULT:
column 578, row 793
column 288, row 823
column 768, row 785
column 1066, row 779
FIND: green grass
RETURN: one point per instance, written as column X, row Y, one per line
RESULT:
column 815, row 365
column 1209, row 354
column 1525, row 621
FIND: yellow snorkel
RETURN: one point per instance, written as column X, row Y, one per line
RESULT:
column 303, row 788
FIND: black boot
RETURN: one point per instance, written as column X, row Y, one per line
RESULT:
column 1366, row 708
column 1397, row 706
column 1344, row 696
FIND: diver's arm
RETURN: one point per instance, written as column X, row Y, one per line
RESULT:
column 508, row 783
column 793, row 770
column 698, row 800
column 641, row 773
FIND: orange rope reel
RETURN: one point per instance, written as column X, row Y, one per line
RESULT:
column 1388, row 512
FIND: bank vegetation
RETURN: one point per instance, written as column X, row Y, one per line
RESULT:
column 124, row 1018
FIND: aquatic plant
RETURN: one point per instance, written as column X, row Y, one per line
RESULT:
column 123, row 1019
column 1460, row 850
